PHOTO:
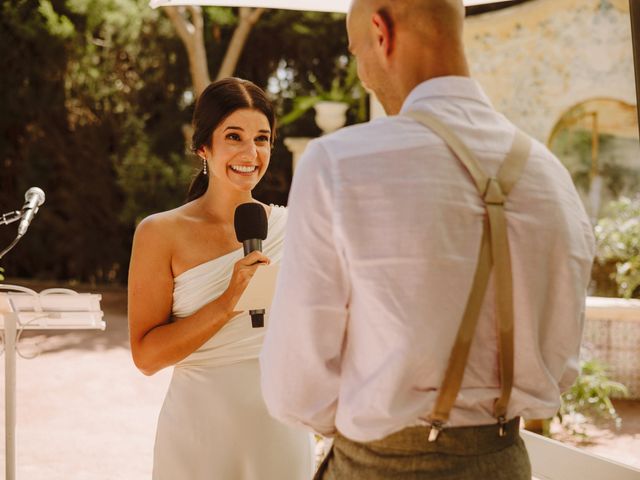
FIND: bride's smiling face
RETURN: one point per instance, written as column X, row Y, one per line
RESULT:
column 240, row 150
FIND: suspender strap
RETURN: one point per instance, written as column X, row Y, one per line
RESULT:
column 494, row 251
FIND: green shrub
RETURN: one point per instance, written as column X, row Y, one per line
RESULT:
column 590, row 397
column 618, row 246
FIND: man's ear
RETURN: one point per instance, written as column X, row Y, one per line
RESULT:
column 384, row 31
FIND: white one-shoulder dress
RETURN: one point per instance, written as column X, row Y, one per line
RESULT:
column 213, row 424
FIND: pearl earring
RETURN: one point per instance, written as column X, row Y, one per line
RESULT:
column 204, row 166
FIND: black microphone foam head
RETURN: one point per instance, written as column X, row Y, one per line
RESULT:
column 250, row 222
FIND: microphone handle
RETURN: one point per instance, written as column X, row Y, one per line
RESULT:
column 29, row 211
column 257, row 316
column 251, row 245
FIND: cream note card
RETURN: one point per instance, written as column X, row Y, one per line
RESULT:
column 259, row 293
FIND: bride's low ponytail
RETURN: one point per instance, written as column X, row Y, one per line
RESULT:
column 198, row 186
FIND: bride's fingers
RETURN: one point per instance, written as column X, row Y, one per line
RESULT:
column 254, row 258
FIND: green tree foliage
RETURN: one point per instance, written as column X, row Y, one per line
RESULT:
column 574, row 146
column 165, row 180
column 130, row 74
column 37, row 145
column 86, row 81
column 345, row 88
column 300, row 54
column 618, row 247
column 93, row 97
column 590, row 396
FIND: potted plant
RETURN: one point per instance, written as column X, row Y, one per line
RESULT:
column 331, row 105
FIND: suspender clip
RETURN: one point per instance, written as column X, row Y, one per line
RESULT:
column 436, row 428
column 502, row 422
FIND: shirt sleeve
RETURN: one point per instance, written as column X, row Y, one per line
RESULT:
column 301, row 356
column 572, row 365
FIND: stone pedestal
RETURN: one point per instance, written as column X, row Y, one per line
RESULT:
column 330, row 116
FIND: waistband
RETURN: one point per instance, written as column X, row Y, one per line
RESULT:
column 478, row 440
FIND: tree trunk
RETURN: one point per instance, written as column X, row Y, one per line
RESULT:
column 191, row 32
column 192, row 35
column 248, row 18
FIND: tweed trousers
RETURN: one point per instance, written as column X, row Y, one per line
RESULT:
column 465, row 453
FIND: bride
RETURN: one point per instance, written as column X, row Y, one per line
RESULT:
column 187, row 272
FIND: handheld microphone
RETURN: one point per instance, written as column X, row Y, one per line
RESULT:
column 33, row 199
column 251, row 225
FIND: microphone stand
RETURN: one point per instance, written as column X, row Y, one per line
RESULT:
column 10, row 321
column 6, row 219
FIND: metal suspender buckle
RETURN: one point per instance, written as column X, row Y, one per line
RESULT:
column 436, row 428
column 502, row 422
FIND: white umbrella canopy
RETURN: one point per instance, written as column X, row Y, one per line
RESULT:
column 309, row 5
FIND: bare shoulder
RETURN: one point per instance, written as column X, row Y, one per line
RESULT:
column 160, row 228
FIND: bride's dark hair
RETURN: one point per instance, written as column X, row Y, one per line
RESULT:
column 219, row 100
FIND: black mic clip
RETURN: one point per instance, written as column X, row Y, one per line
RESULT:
column 10, row 217
column 257, row 318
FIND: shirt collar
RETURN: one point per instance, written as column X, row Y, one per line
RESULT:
column 460, row 87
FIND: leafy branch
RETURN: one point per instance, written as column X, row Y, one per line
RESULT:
column 590, row 396
column 618, row 242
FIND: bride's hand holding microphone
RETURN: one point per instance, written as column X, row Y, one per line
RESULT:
column 243, row 271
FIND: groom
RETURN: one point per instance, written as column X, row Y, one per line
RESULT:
column 435, row 267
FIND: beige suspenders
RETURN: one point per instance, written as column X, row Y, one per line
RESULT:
column 494, row 251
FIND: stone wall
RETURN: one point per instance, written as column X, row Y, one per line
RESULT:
column 539, row 59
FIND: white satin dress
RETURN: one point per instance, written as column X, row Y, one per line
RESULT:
column 213, row 424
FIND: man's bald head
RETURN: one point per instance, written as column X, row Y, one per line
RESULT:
column 424, row 17
column 399, row 43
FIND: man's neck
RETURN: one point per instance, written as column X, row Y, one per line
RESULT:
column 410, row 80
column 414, row 66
